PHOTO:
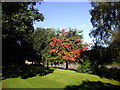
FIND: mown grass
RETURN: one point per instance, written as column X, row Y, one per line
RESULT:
column 60, row 78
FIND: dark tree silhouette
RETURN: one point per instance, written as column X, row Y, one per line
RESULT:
column 17, row 25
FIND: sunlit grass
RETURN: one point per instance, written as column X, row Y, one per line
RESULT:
column 58, row 79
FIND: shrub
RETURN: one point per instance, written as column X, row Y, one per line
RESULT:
column 111, row 73
column 85, row 67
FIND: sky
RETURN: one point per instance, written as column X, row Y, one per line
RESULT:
column 59, row 15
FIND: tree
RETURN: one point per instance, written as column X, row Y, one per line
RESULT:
column 68, row 46
column 17, row 25
column 41, row 38
column 105, row 18
column 115, row 45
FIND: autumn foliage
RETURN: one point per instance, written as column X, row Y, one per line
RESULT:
column 67, row 48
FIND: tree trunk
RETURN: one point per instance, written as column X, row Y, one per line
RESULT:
column 58, row 64
column 55, row 64
column 66, row 64
column 47, row 63
column 32, row 62
column 51, row 64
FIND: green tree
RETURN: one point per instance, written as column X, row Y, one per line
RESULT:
column 17, row 25
column 41, row 38
column 85, row 67
column 115, row 45
column 105, row 18
column 106, row 22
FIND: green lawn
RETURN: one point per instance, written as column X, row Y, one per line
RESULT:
column 61, row 79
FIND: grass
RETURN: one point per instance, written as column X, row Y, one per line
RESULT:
column 61, row 79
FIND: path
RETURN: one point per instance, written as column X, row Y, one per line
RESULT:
column 74, row 66
column 63, row 66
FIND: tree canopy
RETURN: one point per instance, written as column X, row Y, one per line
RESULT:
column 105, row 18
column 106, row 26
column 68, row 46
column 17, row 25
column 40, row 39
column 115, row 45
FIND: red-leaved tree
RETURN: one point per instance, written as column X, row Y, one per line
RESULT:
column 68, row 46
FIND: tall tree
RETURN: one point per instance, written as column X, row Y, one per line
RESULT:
column 115, row 45
column 17, row 25
column 105, row 18
column 41, row 38
column 106, row 22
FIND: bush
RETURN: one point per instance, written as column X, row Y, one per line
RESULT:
column 111, row 73
column 85, row 67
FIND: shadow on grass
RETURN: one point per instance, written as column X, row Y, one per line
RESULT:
column 110, row 73
column 24, row 71
column 92, row 85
